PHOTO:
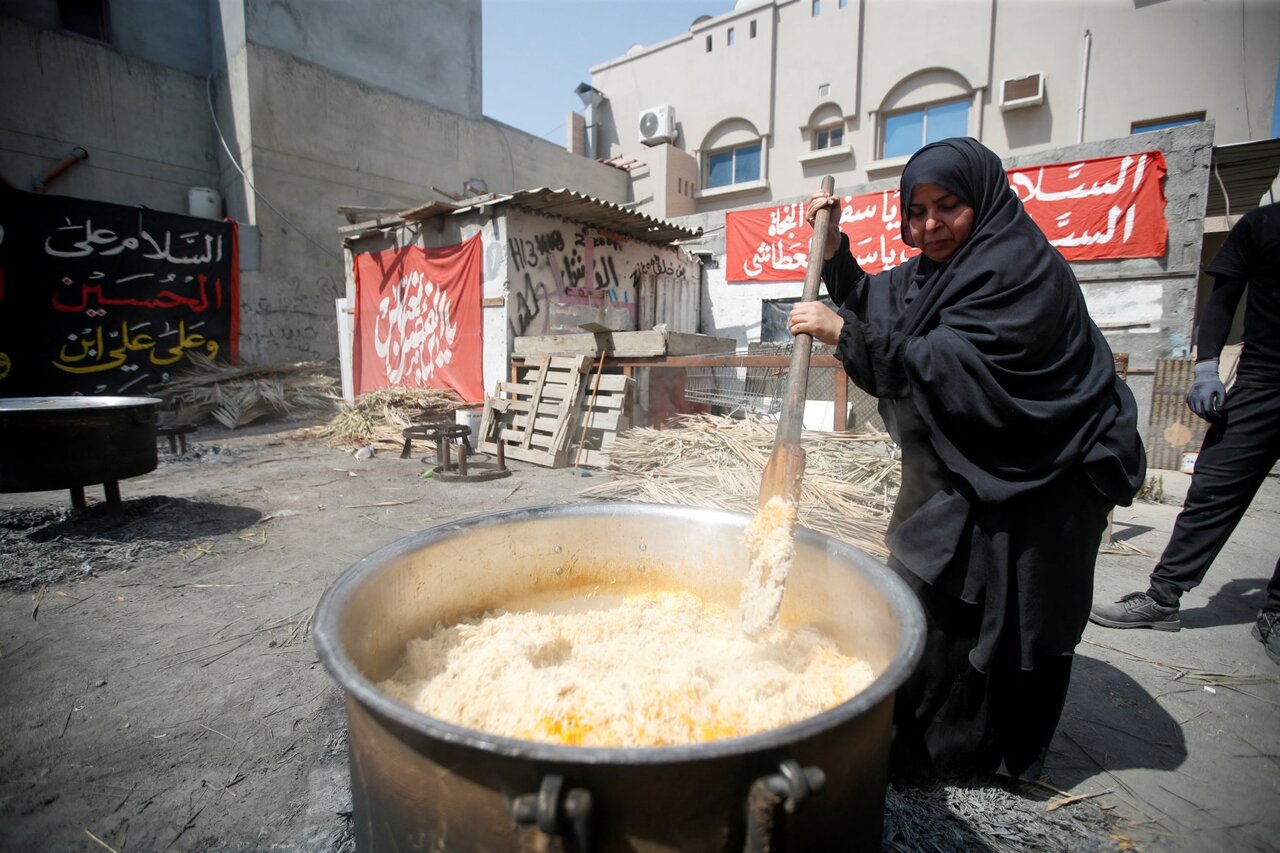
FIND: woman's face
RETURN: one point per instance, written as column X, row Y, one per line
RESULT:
column 938, row 220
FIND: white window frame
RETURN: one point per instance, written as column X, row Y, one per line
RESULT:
column 879, row 166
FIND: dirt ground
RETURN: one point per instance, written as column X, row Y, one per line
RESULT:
column 159, row 689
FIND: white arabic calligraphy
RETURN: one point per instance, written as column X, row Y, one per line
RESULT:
column 112, row 244
column 414, row 331
column 1087, row 239
column 1036, row 192
column 785, row 219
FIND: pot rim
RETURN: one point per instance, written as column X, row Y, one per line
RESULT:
column 325, row 625
column 36, row 405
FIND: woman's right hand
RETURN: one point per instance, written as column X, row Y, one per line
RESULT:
column 818, row 201
column 817, row 320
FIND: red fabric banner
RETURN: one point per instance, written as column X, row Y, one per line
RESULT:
column 1109, row 207
column 772, row 244
column 418, row 320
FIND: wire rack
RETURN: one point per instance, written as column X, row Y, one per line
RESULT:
column 754, row 390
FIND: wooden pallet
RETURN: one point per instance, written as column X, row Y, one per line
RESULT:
column 534, row 418
column 611, row 413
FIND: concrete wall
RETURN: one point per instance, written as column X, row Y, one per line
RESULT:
column 667, row 179
column 1145, row 306
column 172, row 33
column 146, row 126
column 319, row 141
column 1147, row 60
column 427, row 52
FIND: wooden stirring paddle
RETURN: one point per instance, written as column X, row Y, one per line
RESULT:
column 783, row 472
column 770, row 535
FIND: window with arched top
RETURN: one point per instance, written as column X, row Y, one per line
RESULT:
column 733, row 155
column 926, row 107
column 826, row 128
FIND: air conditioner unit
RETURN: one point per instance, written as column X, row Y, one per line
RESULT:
column 1019, row 92
column 658, row 125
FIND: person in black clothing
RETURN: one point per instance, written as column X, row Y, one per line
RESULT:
column 1017, row 440
column 1243, row 441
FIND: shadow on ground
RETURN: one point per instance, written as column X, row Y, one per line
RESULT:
column 1236, row 602
column 1111, row 723
column 52, row 544
column 159, row 518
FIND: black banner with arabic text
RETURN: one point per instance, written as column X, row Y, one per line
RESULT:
column 99, row 298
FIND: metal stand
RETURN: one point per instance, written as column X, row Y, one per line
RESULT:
column 177, row 435
column 449, row 469
column 110, row 495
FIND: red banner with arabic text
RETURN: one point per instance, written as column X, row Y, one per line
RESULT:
column 1110, row 207
column 418, row 319
column 1105, row 208
column 772, row 243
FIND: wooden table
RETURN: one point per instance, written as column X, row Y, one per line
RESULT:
column 628, row 366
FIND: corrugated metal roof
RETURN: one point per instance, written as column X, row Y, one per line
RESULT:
column 1246, row 171
column 575, row 207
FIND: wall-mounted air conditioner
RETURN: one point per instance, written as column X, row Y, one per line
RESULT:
column 658, row 125
column 1019, row 92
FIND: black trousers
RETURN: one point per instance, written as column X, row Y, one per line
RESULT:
column 1235, row 458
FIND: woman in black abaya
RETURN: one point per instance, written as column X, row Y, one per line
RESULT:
column 1017, row 440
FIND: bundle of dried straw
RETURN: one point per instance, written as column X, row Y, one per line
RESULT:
column 238, row 395
column 850, row 480
column 379, row 417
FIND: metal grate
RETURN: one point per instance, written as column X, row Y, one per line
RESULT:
column 753, row 390
column 737, row 389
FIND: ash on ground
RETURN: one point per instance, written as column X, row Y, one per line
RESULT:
column 200, row 453
column 992, row 819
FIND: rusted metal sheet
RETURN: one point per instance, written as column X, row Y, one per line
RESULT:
column 676, row 302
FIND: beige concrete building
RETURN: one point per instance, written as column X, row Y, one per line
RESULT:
column 758, row 104
column 750, row 109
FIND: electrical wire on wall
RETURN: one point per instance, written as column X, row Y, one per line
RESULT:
column 1226, row 199
column 208, row 93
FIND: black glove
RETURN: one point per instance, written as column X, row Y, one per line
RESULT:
column 1207, row 392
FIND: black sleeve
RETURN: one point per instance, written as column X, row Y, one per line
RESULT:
column 845, row 280
column 1219, row 311
column 1230, row 270
column 872, row 357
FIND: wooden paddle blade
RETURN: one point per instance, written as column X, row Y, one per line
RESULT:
column 782, row 474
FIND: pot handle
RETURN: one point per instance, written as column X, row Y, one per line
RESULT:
column 790, row 787
column 550, row 811
column 142, row 414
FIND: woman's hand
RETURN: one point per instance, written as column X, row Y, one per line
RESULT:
column 817, row 320
column 817, row 201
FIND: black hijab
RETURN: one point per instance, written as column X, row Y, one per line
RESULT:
column 1013, row 379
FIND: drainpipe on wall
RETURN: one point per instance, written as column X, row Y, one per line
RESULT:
column 592, row 129
column 1084, row 84
column 77, row 154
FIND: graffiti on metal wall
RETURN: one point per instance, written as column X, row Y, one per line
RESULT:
column 562, row 275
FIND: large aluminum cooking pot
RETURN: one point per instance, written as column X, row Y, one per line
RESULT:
column 72, row 442
column 419, row 783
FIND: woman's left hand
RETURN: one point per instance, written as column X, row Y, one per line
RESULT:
column 816, row 319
